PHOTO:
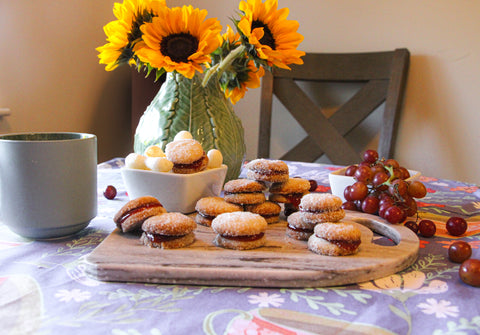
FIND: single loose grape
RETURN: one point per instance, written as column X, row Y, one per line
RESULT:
column 412, row 225
column 427, row 228
column 469, row 272
column 459, row 251
column 456, row 226
column 110, row 192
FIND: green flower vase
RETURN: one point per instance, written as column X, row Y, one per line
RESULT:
column 184, row 104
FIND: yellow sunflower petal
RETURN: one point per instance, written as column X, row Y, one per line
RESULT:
column 266, row 28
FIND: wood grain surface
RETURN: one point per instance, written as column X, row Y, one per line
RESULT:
column 282, row 262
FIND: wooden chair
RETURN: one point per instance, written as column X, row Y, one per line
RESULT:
column 383, row 75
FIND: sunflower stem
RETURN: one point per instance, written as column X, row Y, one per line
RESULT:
column 208, row 74
column 224, row 64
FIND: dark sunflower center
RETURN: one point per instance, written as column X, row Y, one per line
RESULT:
column 267, row 38
column 179, row 46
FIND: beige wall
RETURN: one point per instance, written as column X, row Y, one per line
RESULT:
column 50, row 77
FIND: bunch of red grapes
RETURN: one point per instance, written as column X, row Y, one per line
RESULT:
column 381, row 189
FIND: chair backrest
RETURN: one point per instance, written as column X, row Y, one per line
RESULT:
column 383, row 75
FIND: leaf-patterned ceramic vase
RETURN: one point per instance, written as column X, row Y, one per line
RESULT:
column 184, row 104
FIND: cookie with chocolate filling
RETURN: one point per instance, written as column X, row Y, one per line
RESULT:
column 269, row 210
column 269, row 170
column 131, row 216
column 335, row 239
column 168, row 231
column 244, row 192
column 321, row 207
column 297, row 228
column 187, row 156
column 239, row 230
column 209, row 208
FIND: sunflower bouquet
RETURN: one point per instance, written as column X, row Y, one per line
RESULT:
column 151, row 36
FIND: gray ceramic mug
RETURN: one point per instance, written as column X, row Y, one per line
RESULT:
column 48, row 183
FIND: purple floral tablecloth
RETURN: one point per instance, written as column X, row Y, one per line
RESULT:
column 44, row 290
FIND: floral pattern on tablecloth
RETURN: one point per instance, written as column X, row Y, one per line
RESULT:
column 44, row 290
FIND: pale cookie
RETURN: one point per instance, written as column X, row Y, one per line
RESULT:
column 335, row 239
column 168, row 231
column 239, row 230
column 209, row 208
column 269, row 210
column 131, row 216
column 244, row 191
column 321, row 207
column 297, row 228
column 267, row 170
column 187, row 156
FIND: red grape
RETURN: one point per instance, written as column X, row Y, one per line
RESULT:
column 427, row 228
column 403, row 173
column 456, row 226
column 370, row 204
column 313, row 185
column 346, row 193
column 469, row 272
column 358, row 191
column 363, row 174
column 349, row 205
column 459, row 251
column 376, row 168
column 392, row 162
column 379, row 178
column 394, row 214
column 412, row 225
column 398, row 187
column 350, row 171
column 370, row 156
column 110, row 192
column 417, row 190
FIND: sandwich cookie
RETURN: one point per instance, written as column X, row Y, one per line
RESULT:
column 335, row 239
column 321, row 207
column 239, row 230
column 187, row 156
column 269, row 210
column 297, row 228
column 290, row 193
column 131, row 216
column 168, row 231
column 209, row 208
column 275, row 171
column 244, row 192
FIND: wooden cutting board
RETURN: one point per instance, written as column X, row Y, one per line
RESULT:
column 282, row 262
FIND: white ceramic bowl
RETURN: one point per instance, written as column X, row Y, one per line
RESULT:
column 176, row 192
column 338, row 181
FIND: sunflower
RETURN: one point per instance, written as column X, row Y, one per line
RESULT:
column 123, row 33
column 271, row 38
column 239, row 86
column 179, row 39
column 241, row 74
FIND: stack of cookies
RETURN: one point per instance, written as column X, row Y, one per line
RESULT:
column 321, row 216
